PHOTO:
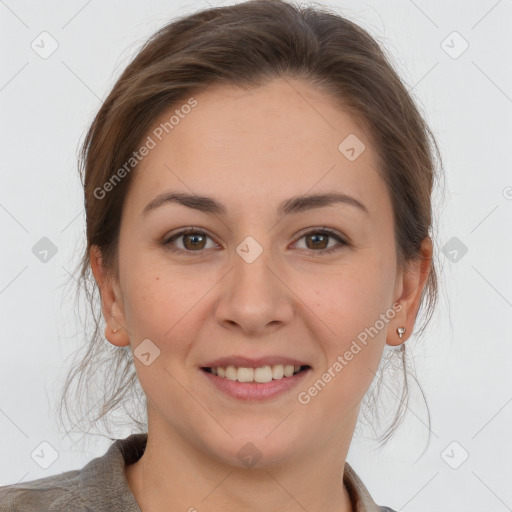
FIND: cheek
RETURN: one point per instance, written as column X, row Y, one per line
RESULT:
column 351, row 299
column 157, row 311
column 355, row 308
column 151, row 304
column 164, row 303
column 352, row 348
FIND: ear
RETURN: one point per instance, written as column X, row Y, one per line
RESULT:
column 111, row 301
column 408, row 290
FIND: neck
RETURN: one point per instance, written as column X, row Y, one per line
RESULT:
column 173, row 474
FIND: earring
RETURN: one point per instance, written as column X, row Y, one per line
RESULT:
column 115, row 330
column 400, row 332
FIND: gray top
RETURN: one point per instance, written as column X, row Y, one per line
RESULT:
column 101, row 486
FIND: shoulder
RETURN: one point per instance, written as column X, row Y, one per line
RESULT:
column 100, row 485
column 53, row 494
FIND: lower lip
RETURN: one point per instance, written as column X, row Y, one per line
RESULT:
column 255, row 390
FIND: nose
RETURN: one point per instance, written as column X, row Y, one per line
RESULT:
column 255, row 298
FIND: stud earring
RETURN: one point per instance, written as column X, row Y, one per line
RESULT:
column 115, row 330
column 400, row 332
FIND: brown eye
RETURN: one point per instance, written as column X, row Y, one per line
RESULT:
column 194, row 241
column 191, row 241
column 318, row 241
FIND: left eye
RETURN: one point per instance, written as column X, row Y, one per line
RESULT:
column 194, row 241
column 319, row 240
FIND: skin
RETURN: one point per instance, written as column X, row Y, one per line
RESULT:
column 250, row 150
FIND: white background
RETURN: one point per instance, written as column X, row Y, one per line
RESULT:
column 464, row 360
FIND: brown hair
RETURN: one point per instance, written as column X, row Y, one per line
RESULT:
column 247, row 44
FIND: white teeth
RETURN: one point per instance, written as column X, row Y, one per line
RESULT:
column 277, row 371
column 245, row 374
column 261, row 374
column 231, row 373
column 288, row 370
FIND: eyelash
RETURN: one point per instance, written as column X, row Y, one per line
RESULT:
column 322, row 231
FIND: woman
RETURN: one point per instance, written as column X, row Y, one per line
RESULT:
column 257, row 190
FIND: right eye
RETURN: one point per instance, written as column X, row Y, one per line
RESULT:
column 193, row 240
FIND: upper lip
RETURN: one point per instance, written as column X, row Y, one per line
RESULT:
column 253, row 362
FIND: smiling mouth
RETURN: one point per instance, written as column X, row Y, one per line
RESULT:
column 260, row 374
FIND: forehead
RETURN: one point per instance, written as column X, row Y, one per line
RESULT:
column 281, row 139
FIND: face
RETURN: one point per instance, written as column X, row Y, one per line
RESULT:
column 254, row 280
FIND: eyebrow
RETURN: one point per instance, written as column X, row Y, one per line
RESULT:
column 295, row 204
